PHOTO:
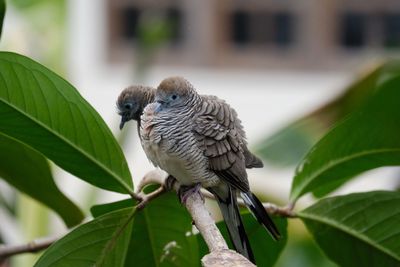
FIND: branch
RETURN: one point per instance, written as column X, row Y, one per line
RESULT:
column 271, row 208
column 157, row 176
column 220, row 255
column 33, row 246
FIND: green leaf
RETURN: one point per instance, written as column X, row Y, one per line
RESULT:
column 367, row 139
column 101, row 242
column 302, row 251
column 288, row 145
column 162, row 232
column 358, row 229
column 39, row 108
column 29, row 172
column 162, row 235
column 2, row 14
column 101, row 209
column 266, row 251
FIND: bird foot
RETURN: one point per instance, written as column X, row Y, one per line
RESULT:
column 185, row 191
column 169, row 183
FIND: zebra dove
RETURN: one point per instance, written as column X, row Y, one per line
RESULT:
column 200, row 141
column 132, row 101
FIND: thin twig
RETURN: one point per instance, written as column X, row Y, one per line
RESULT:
column 271, row 208
column 33, row 246
column 155, row 176
column 146, row 198
column 159, row 177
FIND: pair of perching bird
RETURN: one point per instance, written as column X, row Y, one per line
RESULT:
column 199, row 140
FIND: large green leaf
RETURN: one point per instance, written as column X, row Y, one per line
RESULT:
column 367, row 139
column 266, row 251
column 101, row 242
column 359, row 229
column 41, row 109
column 162, row 235
column 288, row 145
column 29, row 172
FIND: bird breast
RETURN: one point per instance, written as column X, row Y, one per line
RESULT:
column 171, row 145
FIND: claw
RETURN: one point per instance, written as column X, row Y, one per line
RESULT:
column 185, row 191
column 169, row 183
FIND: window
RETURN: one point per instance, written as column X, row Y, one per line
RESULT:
column 240, row 25
column 353, row 30
column 261, row 28
column 391, row 30
column 283, row 25
column 130, row 17
column 132, row 20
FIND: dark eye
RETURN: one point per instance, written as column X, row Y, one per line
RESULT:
column 174, row 97
column 128, row 106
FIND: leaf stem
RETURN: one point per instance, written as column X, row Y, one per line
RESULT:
column 32, row 247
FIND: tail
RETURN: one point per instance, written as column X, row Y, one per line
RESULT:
column 226, row 198
column 251, row 160
column 258, row 211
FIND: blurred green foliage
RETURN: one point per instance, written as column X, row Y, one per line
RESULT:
column 45, row 33
column 288, row 145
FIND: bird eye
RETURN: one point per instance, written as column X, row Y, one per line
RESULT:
column 128, row 106
column 174, row 97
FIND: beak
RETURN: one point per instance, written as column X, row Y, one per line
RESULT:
column 160, row 104
column 158, row 107
column 124, row 118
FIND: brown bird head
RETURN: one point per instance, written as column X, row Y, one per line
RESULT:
column 132, row 101
column 174, row 92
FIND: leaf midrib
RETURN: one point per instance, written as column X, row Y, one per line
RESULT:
column 151, row 238
column 62, row 138
column 117, row 233
column 335, row 163
column 350, row 231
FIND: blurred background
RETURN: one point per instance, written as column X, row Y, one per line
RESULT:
column 289, row 68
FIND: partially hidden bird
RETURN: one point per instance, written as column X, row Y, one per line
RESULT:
column 199, row 140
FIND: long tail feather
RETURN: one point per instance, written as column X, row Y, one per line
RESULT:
column 257, row 209
column 226, row 198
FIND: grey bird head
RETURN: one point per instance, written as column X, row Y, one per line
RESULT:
column 173, row 92
column 132, row 101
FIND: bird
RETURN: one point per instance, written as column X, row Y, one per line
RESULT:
column 132, row 101
column 200, row 141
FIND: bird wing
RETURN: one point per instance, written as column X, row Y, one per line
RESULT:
column 217, row 135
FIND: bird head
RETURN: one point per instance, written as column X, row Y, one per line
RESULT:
column 132, row 101
column 173, row 92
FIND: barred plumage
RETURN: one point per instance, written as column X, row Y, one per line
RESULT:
column 199, row 139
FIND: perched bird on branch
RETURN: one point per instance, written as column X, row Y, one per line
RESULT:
column 200, row 141
column 132, row 101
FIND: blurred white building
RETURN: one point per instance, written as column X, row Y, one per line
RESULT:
column 270, row 77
